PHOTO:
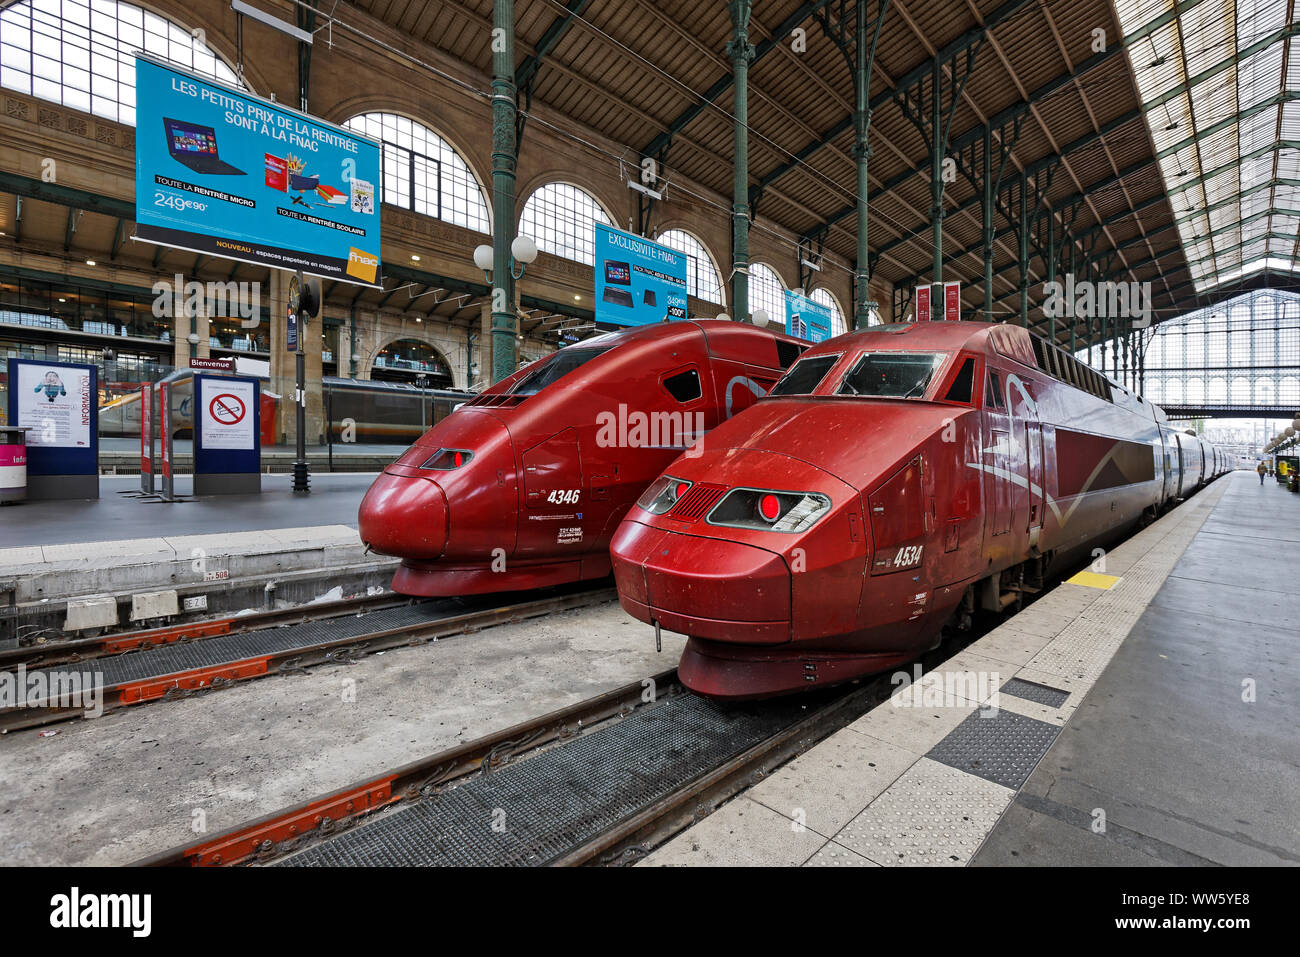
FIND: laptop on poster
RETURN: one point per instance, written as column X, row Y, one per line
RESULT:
column 195, row 146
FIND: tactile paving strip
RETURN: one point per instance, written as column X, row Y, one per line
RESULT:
column 532, row 812
column 1032, row 691
column 933, row 815
column 209, row 652
column 999, row 746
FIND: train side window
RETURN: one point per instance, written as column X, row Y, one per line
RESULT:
column 684, row 386
column 787, row 353
column 993, row 392
column 963, row 383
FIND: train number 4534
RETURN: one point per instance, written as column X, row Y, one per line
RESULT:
column 908, row 555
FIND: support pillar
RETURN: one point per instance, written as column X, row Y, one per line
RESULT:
column 504, row 159
column 987, row 209
column 1051, row 272
column 284, row 371
column 741, row 53
column 862, row 153
column 936, row 176
column 1024, row 251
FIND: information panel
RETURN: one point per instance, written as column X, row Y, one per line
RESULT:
column 806, row 318
column 58, row 403
column 220, row 172
column 923, row 303
column 637, row 282
column 952, row 301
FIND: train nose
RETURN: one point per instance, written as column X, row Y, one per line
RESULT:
column 704, row 587
column 404, row 516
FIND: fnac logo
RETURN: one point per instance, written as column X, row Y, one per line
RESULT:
column 362, row 264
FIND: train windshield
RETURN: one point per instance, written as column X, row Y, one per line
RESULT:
column 892, row 375
column 805, row 375
column 555, row 368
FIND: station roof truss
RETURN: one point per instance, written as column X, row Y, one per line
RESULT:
column 1138, row 148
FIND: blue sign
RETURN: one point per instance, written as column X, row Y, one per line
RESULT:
column 58, row 402
column 223, row 173
column 806, row 318
column 637, row 282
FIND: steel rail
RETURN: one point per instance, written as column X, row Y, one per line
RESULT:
column 293, row 828
column 76, row 650
column 345, row 649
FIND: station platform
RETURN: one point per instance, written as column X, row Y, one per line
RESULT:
column 225, row 548
column 1144, row 715
column 121, row 456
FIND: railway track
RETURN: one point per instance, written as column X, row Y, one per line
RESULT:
column 64, row 680
column 598, row 783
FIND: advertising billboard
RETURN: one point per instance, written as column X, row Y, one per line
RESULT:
column 637, row 282
column 223, row 173
column 806, row 319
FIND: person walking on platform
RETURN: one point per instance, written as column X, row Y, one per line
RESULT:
column 1262, row 470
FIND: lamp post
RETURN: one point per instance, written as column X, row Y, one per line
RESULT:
column 522, row 252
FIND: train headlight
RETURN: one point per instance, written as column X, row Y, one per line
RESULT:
column 769, row 509
column 447, row 460
column 663, row 494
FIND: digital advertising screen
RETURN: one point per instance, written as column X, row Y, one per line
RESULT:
column 638, row 282
column 220, row 172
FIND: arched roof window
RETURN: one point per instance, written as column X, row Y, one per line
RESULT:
column 823, row 297
column 423, row 172
column 561, row 219
column 701, row 275
column 766, row 292
column 81, row 53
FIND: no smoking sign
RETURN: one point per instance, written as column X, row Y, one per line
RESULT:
column 227, row 409
column 228, row 421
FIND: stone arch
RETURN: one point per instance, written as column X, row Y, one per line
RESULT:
column 424, row 339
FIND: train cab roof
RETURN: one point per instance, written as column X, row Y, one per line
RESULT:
column 936, row 346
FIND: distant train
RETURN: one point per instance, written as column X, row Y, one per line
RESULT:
column 523, row 486
column 379, row 412
column 896, row 480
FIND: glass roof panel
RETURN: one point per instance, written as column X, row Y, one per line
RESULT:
column 1213, row 82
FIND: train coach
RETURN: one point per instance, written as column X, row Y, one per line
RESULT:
column 364, row 411
column 523, row 486
column 894, row 481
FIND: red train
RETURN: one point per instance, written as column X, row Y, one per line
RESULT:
column 893, row 482
column 523, row 486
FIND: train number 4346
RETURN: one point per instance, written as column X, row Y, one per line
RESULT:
column 563, row 496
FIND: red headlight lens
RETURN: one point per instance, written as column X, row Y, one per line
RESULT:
column 769, row 510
